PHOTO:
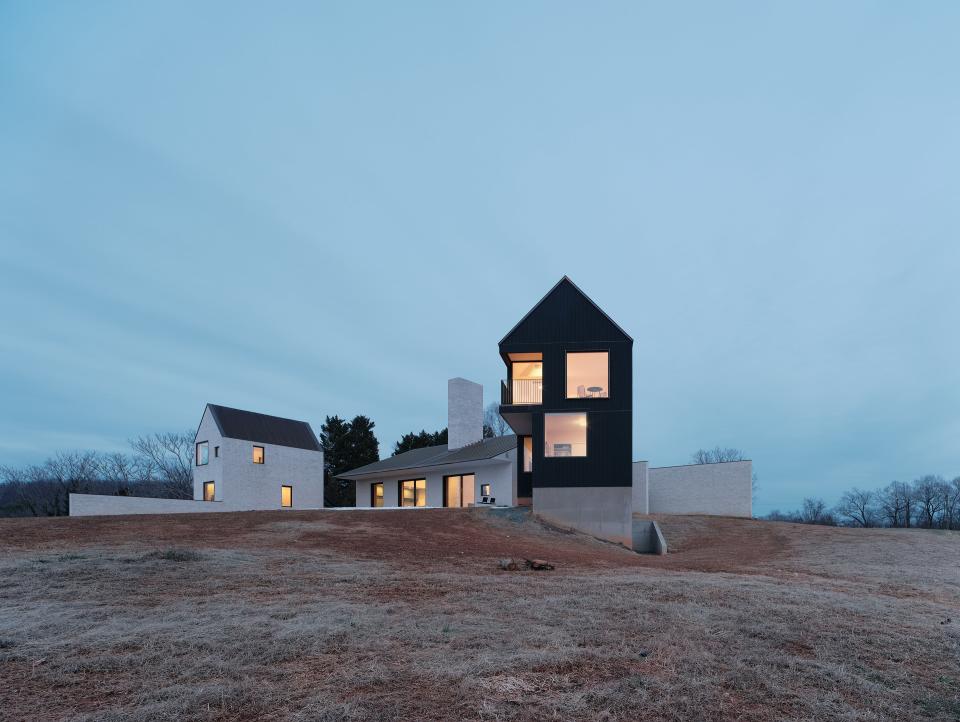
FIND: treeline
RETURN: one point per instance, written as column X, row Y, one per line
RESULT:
column 156, row 466
column 930, row 502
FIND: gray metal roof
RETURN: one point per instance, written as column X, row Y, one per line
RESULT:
column 251, row 426
column 436, row 456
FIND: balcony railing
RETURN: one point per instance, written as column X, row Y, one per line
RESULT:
column 521, row 391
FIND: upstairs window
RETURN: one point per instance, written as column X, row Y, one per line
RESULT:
column 565, row 435
column 203, row 453
column 588, row 374
column 257, row 454
column 526, row 373
column 216, row 452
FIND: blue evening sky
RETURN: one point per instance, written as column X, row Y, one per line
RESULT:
column 319, row 208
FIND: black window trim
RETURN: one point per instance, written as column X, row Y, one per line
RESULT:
column 400, row 483
column 263, row 455
column 586, row 443
column 566, row 353
column 290, row 487
column 450, row 476
column 373, row 494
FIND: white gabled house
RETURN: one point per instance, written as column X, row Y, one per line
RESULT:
column 242, row 461
column 254, row 461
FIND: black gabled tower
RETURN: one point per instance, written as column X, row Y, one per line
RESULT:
column 569, row 365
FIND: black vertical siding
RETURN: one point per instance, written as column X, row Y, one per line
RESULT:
column 566, row 320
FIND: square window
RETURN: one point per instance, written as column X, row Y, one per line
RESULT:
column 588, row 375
column 209, row 491
column 565, row 435
column 484, row 490
column 257, row 454
column 286, row 496
column 203, row 453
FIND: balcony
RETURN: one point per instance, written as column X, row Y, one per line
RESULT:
column 521, row 391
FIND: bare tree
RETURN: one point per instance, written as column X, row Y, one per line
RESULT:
column 896, row 504
column 857, row 507
column 494, row 421
column 815, row 512
column 951, row 504
column 716, row 455
column 928, row 493
column 168, row 458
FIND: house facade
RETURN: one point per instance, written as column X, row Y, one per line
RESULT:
column 568, row 395
column 248, row 460
column 466, row 471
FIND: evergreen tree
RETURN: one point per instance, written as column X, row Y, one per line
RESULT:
column 415, row 440
column 346, row 445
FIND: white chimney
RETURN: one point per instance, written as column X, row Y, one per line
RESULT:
column 464, row 413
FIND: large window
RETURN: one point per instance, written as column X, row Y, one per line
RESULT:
column 565, row 434
column 413, row 492
column 286, row 496
column 588, row 375
column 258, row 455
column 203, row 453
column 459, row 490
column 528, row 453
column 376, row 494
column 209, row 491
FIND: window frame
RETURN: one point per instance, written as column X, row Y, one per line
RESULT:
column 196, row 453
column 586, row 434
column 524, row 440
column 290, row 487
column 216, row 452
column 263, row 455
column 463, row 482
column 487, row 492
column 213, row 489
column 373, row 495
column 401, row 482
column 566, row 371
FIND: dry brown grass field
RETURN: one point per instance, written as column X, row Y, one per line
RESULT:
column 353, row 615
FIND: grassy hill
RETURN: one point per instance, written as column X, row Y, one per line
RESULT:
column 346, row 615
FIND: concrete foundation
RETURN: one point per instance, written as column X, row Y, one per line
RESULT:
column 603, row 512
column 647, row 537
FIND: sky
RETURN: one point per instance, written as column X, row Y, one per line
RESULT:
column 332, row 208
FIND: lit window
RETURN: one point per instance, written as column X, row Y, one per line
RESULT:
column 484, row 490
column 565, row 435
column 286, row 496
column 203, row 453
column 257, row 454
column 459, row 490
column 376, row 494
column 528, row 453
column 527, row 381
column 208, row 491
column 588, row 375
column 216, row 452
column 413, row 492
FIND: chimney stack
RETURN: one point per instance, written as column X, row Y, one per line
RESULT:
column 464, row 413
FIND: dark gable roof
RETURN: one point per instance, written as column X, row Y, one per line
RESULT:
column 436, row 456
column 251, row 426
column 557, row 303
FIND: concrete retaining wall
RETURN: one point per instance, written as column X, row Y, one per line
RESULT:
column 604, row 512
column 647, row 537
column 641, row 488
column 718, row 489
